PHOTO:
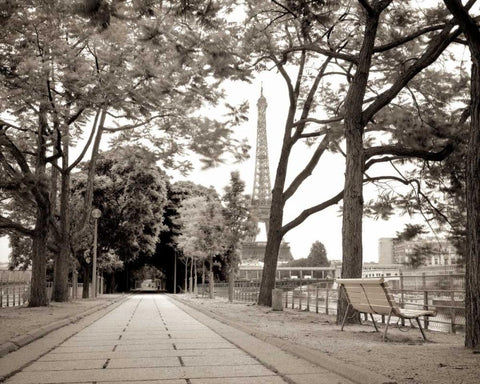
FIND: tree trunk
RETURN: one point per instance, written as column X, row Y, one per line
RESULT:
column 211, row 286
column 352, row 215
column 38, row 287
column 86, row 281
column 203, row 278
column 185, row 286
column 195, row 286
column 472, row 264
column 271, row 257
column 275, row 234
column 190, row 279
column 231, row 285
column 60, row 287
column 352, row 257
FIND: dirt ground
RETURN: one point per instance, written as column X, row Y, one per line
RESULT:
column 404, row 358
column 17, row 321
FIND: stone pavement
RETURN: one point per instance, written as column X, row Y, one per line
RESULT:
column 153, row 339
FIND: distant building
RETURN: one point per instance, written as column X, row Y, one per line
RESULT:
column 385, row 250
column 438, row 251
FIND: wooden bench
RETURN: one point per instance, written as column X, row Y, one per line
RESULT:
column 373, row 296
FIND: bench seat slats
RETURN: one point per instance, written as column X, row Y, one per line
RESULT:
column 373, row 296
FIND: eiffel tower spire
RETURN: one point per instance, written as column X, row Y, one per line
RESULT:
column 262, row 190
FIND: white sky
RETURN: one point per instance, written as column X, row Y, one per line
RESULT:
column 326, row 181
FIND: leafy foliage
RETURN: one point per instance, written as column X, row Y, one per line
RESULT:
column 131, row 192
column 239, row 222
column 410, row 232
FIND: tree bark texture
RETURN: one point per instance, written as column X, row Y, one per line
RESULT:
column 472, row 265
column 211, row 286
column 86, row 282
column 472, row 262
column 38, row 287
column 231, row 285
column 352, row 257
column 60, row 287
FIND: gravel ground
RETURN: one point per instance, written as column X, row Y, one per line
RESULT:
column 17, row 321
column 404, row 358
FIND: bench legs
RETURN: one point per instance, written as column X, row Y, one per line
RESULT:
column 386, row 327
column 374, row 324
column 421, row 329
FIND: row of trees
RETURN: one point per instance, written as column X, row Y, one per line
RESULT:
column 81, row 70
column 212, row 227
column 366, row 79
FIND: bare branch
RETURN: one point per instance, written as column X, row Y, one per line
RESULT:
column 132, row 126
column 87, row 144
column 406, row 39
column 400, row 151
column 310, row 211
column 325, row 52
column 318, row 121
column 307, row 171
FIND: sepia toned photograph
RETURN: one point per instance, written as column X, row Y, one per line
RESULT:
column 240, row 191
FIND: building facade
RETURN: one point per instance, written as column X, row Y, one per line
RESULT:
column 435, row 251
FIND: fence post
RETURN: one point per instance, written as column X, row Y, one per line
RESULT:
column 293, row 297
column 286, row 299
column 402, row 305
column 425, row 300
column 8, row 297
column 308, row 298
column 452, row 303
column 316, row 299
column 300, row 299
column 326, row 301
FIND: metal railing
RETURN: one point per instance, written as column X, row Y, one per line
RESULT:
column 414, row 292
column 14, row 294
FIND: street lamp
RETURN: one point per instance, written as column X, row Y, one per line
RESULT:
column 96, row 213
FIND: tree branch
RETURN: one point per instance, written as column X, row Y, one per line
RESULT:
column 436, row 47
column 87, row 144
column 8, row 225
column 310, row 211
column 132, row 126
column 307, row 171
column 409, row 152
column 332, row 54
column 406, row 39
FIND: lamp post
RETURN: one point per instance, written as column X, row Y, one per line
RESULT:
column 96, row 213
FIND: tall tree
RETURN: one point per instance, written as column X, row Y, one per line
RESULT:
column 239, row 223
column 202, row 231
column 130, row 190
column 338, row 39
column 318, row 255
column 470, row 30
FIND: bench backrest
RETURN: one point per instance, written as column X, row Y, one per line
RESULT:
column 369, row 295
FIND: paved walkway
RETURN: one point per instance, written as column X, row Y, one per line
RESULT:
column 151, row 339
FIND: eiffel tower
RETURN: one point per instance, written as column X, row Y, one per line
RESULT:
column 253, row 251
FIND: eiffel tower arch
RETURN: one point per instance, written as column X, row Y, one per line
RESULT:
column 253, row 251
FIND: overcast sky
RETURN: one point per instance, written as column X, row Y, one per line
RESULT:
column 325, row 182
